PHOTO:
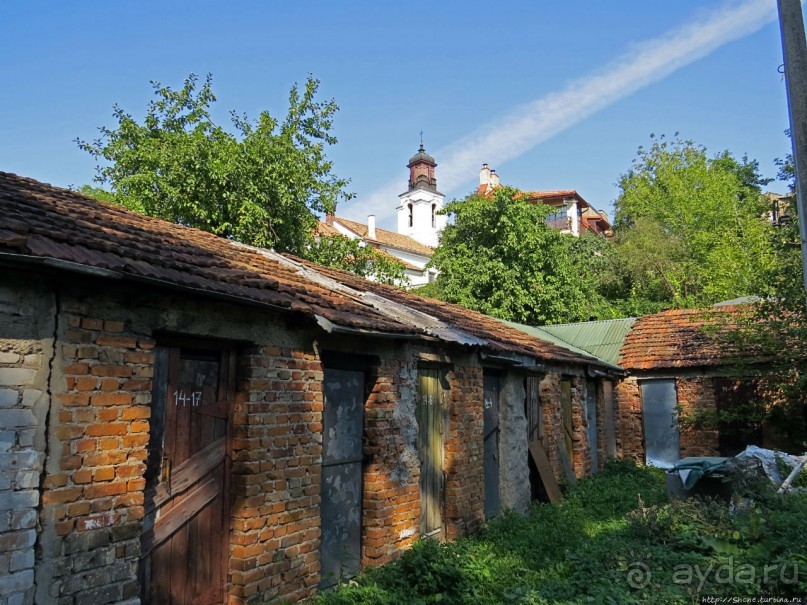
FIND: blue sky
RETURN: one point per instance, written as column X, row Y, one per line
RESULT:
column 554, row 95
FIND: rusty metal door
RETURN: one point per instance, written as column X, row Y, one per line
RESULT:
column 184, row 547
column 491, row 455
column 431, row 426
column 661, row 441
column 591, row 423
column 341, row 487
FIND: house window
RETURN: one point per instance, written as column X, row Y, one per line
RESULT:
column 411, row 217
column 434, row 216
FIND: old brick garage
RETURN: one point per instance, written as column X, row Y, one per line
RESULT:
column 189, row 420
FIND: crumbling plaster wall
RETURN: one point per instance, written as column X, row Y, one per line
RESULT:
column 514, row 472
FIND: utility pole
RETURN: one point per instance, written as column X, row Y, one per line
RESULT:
column 794, row 47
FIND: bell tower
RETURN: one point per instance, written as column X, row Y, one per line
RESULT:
column 418, row 213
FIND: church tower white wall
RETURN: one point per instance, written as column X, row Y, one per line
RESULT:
column 418, row 213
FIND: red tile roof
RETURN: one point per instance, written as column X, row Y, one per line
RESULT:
column 44, row 223
column 683, row 338
column 387, row 238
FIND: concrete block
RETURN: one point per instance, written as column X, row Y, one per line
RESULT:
column 30, row 397
column 33, row 360
column 22, row 598
column 27, row 479
column 18, row 460
column 17, row 582
column 9, row 358
column 23, row 519
column 22, row 559
column 17, row 540
column 16, row 376
column 5, row 480
column 17, row 417
column 9, row 397
column 19, row 500
column 25, row 437
column 7, row 439
column 5, row 521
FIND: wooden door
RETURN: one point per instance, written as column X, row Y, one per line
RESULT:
column 341, row 487
column 591, row 423
column 431, row 425
column 491, row 441
column 184, row 549
column 568, row 425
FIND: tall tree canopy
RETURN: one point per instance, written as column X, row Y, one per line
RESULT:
column 690, row 229
column 259, row 183
column 501, row 258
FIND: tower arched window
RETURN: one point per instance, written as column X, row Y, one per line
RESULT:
column 411, row 216
column 434, row 216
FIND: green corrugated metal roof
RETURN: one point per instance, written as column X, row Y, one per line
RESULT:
column 543, row 333
column 603, row 339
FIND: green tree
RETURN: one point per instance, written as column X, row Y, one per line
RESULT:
column 690, row 229
column 500, row 257
column 777, row 329
column 259, row 183
column 352, row 255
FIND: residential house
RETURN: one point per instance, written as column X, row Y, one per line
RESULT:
column 188, row 419
column 570, row 212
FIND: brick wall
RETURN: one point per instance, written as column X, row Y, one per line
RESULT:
column 391, row 500
column 277, row 448
column 697, row 394
column 93, row 486
column 694, row 393
column 552, row 418
column 629, row 429
column 464, row 449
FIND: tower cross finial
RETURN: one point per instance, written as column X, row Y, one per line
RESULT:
column 421, row 138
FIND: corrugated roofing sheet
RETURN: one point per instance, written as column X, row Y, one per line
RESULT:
column 543, row 334
column 603, row 339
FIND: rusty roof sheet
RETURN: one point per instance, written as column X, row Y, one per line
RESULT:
column 53, row 224
column 437, row 315
column 683, row 338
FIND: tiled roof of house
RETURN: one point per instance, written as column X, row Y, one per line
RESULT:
column 387, row 238
column 326, row 230
column 683, row 338
column 67, row 231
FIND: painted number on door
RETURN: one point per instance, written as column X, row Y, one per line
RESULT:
column 183, row 398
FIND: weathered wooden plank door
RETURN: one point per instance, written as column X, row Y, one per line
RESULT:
column 591, row 423
column 184, row 547
column 610, row 419
column 431, row 425
column 341, row 486
column 543, row 484
column 491, row 455
column 661, row 440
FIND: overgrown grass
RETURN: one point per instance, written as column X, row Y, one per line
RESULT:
column 614, row 539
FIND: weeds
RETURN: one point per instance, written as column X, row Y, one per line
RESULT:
column 614, row 539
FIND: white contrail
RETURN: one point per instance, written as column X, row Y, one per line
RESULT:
column 532, row 123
